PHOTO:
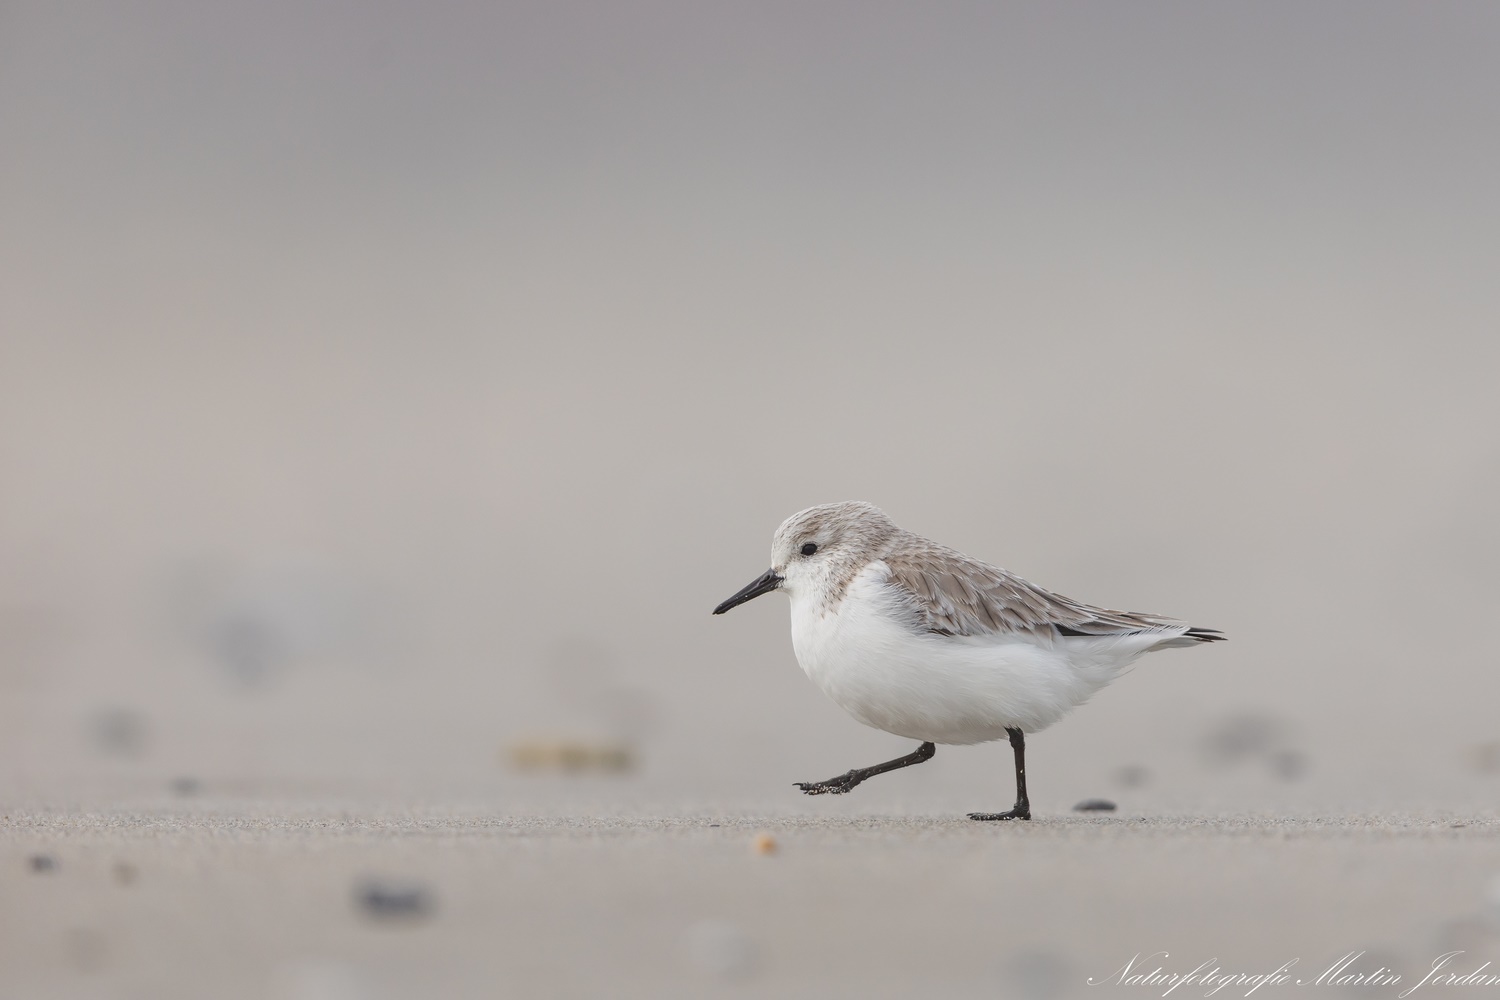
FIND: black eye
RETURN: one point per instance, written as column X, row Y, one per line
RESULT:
column 809, row 549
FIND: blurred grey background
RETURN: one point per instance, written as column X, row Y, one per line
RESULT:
column 383, row 386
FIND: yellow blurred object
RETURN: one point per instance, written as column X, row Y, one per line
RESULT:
column 570, row 756
column 763, row 843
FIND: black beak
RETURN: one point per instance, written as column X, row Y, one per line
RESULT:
column 763, row 584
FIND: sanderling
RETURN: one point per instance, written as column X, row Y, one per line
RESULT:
column 924, row 642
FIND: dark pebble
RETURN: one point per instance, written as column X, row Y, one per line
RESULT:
column 42, row 863
column 1094, row 805
column 387, row 900
column 186, row 787
column 119, row 732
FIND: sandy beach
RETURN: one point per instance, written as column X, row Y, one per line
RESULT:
column 228, row 901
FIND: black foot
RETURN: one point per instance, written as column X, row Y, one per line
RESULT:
column 833, row 786
column 1022, row 808
column 847, row 780
column 1016, row 813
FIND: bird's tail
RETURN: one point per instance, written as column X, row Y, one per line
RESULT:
column 1192, row 637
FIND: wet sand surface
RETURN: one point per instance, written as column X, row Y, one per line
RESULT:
column 239, row 900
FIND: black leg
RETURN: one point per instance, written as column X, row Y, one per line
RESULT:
column 1022, row 808
column 847, row 780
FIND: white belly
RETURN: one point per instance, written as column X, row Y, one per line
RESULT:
column 944, row 689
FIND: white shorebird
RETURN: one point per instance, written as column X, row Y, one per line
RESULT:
column 924, row 642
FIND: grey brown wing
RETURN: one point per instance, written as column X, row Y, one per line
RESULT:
column 952, row 594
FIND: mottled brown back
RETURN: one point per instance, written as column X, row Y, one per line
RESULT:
column 953, row 594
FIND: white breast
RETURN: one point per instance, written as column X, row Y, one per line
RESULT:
column 937, row 688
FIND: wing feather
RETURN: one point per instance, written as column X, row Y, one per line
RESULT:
column 953, row 594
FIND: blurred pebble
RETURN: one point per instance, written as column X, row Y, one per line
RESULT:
column 1094, row 805
column 119, row 732
column 721, row 949
column 186, row 787
column 385, row 900
column 124, row 872
column 1288, row 765
column 763, row 843
column 42, row 863
column 1132, row 776
column 571, row 756
column 1036, row 975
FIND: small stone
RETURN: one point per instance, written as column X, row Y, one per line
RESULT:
column 42, row 863
column 1094, row 805
column 384, row 900
column 763, row 843
column 186, row 787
